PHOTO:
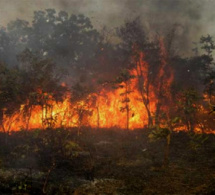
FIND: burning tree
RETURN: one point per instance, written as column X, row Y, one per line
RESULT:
column 134, row 42
column 163, row 82
column 10, row 97
column 34, row 84
column 144, row 83
column 148, row 61
column 82, row 105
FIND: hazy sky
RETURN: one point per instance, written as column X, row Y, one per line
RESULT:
column 110, row 11
column 100, row 11
column 196, row 17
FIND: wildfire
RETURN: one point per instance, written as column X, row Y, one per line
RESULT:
column 105, row 113
column 129, row 106
column 124, row 107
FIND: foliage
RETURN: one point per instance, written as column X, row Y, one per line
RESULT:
column 159, row 133
column 197, row 140
column 123, row 81
column 187, row 107
column 207, row 45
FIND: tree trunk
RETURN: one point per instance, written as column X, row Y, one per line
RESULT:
column 127, row 106
column 98, row 117
column 28, row 117
column 150, row 121
column 143, row 86
column 157, row 114
column 166, row 151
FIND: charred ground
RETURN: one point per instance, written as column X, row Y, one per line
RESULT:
column 57, row 161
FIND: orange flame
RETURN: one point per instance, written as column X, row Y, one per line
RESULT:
column 103, row 109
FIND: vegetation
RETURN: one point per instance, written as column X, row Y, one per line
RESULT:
column 56, row 161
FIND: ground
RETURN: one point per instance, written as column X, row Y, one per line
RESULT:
column 105, row 161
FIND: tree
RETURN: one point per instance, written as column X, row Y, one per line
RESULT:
column 162, row 84
column 208, row 61
column 82, row 105
column 123, row 81
column 10, row 96
column 188, row 101
column 69, row 40
column 41, row 86
column 132, row 34
column 7, row 48
column 144, row 80
column 134, row 44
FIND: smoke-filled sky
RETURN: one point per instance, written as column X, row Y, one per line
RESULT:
column 196, row 17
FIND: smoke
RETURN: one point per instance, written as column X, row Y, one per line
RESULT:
column 195, row 17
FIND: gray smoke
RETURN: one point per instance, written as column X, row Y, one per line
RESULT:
column 193, row 17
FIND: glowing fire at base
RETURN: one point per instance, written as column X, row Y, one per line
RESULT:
column 105, row 113
column 105, row 109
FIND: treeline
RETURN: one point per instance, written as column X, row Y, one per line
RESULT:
column 56, row 47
